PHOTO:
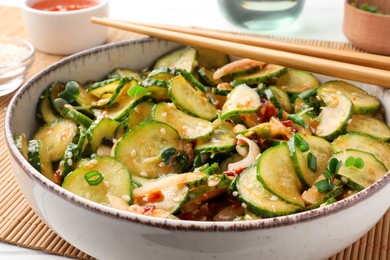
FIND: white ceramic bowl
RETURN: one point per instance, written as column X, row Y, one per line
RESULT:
column 107, row 233
column 64, row 32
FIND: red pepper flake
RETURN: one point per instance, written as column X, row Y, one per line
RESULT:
column 148, row 208
column 287, row 123
column 57, row 177
column 234, row 172
column 156, row 196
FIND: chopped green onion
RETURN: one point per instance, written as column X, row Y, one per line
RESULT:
column 333, row 165
column 93, row 178
column 306, row 94
column 136, row 91
column 298, row 119
column 312, row 162
column 301, row 143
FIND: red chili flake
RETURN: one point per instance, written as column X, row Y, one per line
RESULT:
column 287, row 123
column 57, row 177
column 156, row 196
column 234, row 172
column 148, row 208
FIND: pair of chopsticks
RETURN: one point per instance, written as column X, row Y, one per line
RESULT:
column 362, row 67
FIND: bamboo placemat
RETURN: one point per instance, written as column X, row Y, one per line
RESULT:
column 19, row 225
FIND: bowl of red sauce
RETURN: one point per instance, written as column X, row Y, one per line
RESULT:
column 63, row 26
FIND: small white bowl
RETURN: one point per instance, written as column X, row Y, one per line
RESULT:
column 108, row 233
column 16, row 56
column 64, row 32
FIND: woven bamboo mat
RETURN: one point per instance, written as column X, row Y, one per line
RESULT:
column 19, row 225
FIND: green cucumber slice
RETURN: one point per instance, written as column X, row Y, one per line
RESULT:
column 297, row 81
column 363, row 142
column 221, row 140
column 100, row 129
column 184, row 58
column 371, row 125
column 21, row 143
column 99, row 89
column 142, row 147
column 46, row 112
column 321, row 150
column 117, row 181
column 241, row 100
column 56, row 136
column 189, row 100
column 142, row 112
column 124, row 73
column 264, row 75
column 360, row 177
column 207, row 76
column 362, row 102
column 120, row 103
column 212, row 59
column 276, row 173
column 258, row 199
column 189, row 127
column 39, row 157
column 334, row 118
column 282, row 98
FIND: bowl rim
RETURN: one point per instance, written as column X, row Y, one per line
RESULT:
column 348, row 7
column 169, row 224
column 23, row 43
column 27, row 8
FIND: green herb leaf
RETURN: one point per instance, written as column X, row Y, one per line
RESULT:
column 312, row 162
column 301, row 143
column 333, row 165
column 354, row 161
column 324, row 186
column 136, row 91
column 93, row 178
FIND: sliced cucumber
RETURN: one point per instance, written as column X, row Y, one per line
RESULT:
column 101, row 88
column 172, row 198
column 363, row 142
column 189, row 127
column 100, row 129
column 141, row 149
column 334, row 118
column 158, row 89
column 21, row 143
column 212, row 59
column 321, row 150
column 362, row 102
column 184, row 58
column 191, row 79
column 241, row 100
column 297, row 81
column 222, row 139
column 363, row 176
column 282, row 98
column 38, row 156
column 142, row 112
column 189, row 100
column 207, row 76
column 123, row 73
column 120, row 103
column 163, row 74
column 259, row 200
column 56, row 136
column 264, row 75
column 276, row 173
column 371, row 125
column 46, row 112
column 116, row 181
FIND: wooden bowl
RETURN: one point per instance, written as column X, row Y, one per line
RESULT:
column 368, row 31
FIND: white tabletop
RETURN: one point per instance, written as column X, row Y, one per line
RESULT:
column 320, row 20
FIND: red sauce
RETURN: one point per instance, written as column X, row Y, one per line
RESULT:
column 63, row 5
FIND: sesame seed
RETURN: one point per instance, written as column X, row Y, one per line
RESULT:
column 235, row 193
column 163, row 131
column 11, row 53
column 243, row 205
column 143, row 174
column 70, row 154
column 126, row 197
column 70, row 162
column 133, row 153
column 164, row 114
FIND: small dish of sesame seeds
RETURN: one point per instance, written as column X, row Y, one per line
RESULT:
column 16, row 56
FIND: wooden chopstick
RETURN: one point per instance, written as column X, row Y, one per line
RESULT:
column 329, row 67
column 359, row 58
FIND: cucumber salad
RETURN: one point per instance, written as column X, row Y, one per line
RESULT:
column 201, row 137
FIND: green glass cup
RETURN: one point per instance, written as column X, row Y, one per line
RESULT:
column 261, row 14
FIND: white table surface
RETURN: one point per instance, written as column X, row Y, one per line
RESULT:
column 320, row 20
